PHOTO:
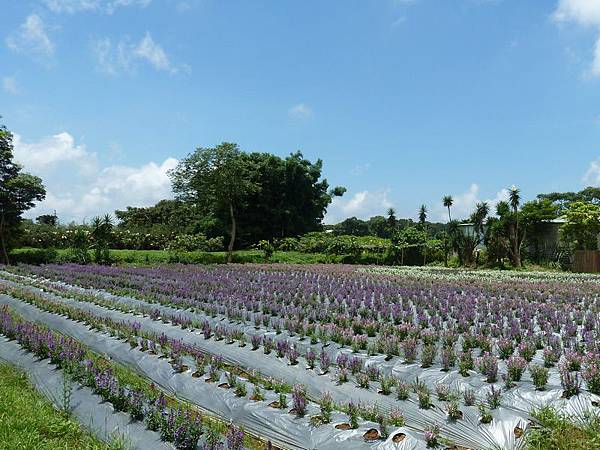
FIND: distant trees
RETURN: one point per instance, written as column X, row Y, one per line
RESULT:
column 352, row 226
column 563, row 199
column 50, row 220
column 168, row 217
column 378, row 226
column 18, row 192
column 260, row 196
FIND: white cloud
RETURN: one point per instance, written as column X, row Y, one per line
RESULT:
column 125, row 56
column 582, row 12
column 32, row 39
column 585, row 13
column 112, row 59
column 465, row 202
column 9, row 84
column 119, row 186
column 47, row 154
column 360, row 169
column 300, row 112
column 153, row 53
column 362, row 204
column 592, row 176
column 103, row 6
column 78, row 187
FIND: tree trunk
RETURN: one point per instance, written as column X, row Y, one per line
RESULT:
column 402, row 258
column 3, row 241
column 449, row 216
column 516, row 244
column 233, row 231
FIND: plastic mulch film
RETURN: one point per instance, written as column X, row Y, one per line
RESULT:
column 87, row 408
column 468, row 432
column 281, row 428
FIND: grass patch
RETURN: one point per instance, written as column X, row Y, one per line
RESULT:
column 29, row 421
column 557, row 432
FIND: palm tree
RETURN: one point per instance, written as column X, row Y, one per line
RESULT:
column 482, row 210
column 515, row 199
column 422, row 214
column 391, row 212
column 448, row 202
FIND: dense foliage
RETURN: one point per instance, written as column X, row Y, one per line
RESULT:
column 18, row 192
column 260, row 194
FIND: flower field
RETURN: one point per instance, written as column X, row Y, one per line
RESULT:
column 316, row 357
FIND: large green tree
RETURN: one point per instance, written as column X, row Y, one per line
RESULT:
column 216, row 179
column 292, row 199
column 18, row 192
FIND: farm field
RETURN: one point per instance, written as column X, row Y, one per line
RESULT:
column 318, row 356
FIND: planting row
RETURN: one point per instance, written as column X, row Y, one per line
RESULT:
column 572, row 363
column 214, row 369
column 418, row 318
column 175, row 422
column 421, row 408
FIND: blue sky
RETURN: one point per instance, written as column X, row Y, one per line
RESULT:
column 404, row 100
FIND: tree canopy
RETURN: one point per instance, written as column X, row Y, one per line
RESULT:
column 259, row 196
column 18, row 192
column 563, row 199
column 582, row 225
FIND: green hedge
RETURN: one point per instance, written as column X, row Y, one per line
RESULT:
column 150, row 257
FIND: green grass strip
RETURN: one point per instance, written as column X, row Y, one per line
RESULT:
column 29, row 421
column 558, row 432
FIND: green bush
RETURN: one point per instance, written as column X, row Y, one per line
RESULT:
column 34, row 256
column 195, row 242
column 288, row 244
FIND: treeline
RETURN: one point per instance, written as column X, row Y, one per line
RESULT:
column 510, row 235
column 228, row 199
column 224, row 197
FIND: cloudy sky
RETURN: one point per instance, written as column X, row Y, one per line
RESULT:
column 404, row 100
